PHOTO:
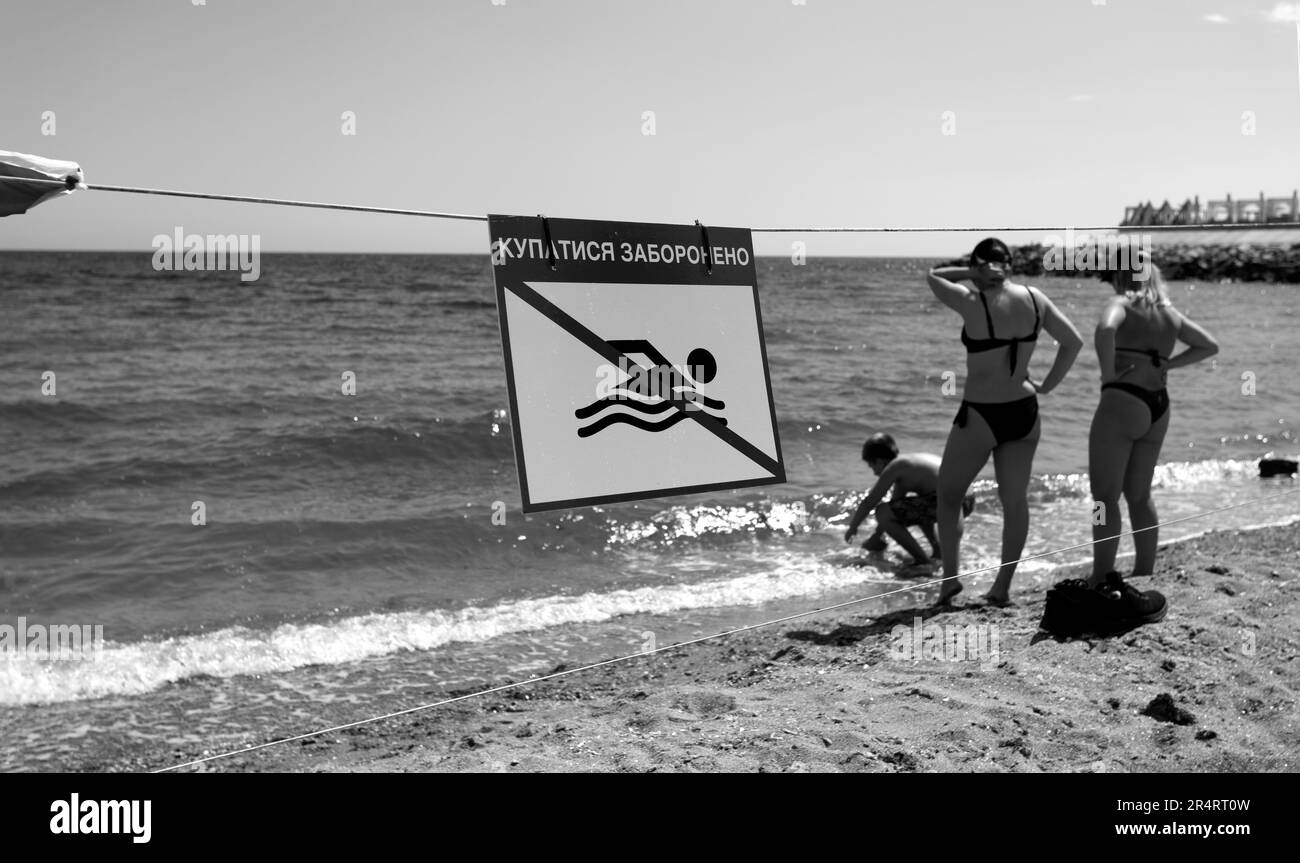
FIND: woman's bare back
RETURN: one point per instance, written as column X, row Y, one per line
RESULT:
column 1144, row 341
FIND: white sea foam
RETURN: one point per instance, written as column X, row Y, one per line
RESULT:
column 143, row 666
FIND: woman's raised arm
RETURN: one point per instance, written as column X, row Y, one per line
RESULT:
column 943, row 282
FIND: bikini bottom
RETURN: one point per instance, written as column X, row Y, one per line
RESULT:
column 1157, row 401
column 1008, row 420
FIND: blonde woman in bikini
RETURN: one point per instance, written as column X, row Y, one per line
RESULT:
column 1135, row 340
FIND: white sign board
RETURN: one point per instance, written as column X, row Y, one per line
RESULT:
column 636, row 364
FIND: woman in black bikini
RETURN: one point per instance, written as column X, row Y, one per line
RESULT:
column 1137, row 333
column 999, row 409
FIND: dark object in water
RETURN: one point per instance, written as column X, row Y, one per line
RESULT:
column 1163, row 709
column 1277, row 467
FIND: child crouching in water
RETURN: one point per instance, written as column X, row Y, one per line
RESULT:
column 913, row 479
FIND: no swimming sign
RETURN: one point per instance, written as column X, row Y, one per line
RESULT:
column 635, row 360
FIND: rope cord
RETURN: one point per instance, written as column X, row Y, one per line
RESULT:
column 282, row 202
column 432, row 214
column 680, row 644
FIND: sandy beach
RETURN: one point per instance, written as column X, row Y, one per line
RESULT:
column 830, row 693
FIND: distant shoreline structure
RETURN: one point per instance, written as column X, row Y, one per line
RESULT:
column 1245, row 212
column 1242, row 240
column 1247, row 239
column 1191, row 255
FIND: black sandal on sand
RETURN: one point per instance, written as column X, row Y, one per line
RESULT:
column 998, row 603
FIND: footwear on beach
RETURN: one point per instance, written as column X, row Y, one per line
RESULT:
column 1136, row 606
column 1074, row 608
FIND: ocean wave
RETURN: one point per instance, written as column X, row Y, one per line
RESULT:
column 486, row 435
column 143, row 666
column 139, row 667
column 763, row 516
column 1168, row 475
column 468, row 304
column 787, row 572
column 748, row 517
column 435, row 443
column 37, row 415
column 46, row 411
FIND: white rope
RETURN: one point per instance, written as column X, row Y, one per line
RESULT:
column 997, row 229
column 680, row 644
column 284, row 202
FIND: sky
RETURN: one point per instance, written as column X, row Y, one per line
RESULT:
column 766, row 113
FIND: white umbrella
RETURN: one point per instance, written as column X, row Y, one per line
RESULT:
column 19, row 197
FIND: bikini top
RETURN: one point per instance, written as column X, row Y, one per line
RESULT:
column 1157, row 359
column 975, row 346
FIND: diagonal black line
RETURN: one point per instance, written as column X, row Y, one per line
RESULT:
column 566, row 322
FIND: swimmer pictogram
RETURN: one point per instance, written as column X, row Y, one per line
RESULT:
column 680, row 400
column 652, row 391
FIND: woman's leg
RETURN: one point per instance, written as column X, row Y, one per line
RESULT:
column 1137, row 492
column 1013, row 462
column 1120, row 419
column 964, row 457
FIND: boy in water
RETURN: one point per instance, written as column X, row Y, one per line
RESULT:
column 914, row 479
